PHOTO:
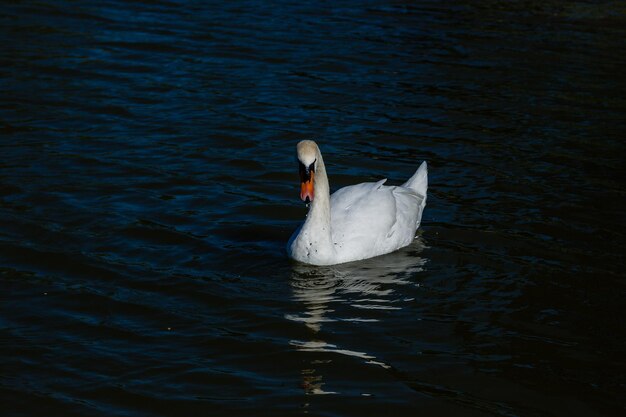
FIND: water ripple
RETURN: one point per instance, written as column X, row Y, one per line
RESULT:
column 148, row 187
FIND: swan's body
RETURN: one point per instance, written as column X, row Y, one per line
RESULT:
column 357, row 222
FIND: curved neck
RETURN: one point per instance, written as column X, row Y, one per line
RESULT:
column 320, row 206
column 317, row 223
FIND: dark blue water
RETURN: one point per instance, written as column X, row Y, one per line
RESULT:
column 148, row 187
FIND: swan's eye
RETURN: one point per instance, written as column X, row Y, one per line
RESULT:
column 305, row 172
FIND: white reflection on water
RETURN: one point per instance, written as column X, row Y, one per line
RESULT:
column 351, row 292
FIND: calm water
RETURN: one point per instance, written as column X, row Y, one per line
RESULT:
column 148, row 186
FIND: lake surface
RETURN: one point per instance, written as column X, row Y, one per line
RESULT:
column 148, row 186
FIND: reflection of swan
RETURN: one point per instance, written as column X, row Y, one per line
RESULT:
column 364, row 287
column 313, row 383
column 358, row 222
column 367, row 284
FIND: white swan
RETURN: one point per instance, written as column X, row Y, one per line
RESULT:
column 357, row 222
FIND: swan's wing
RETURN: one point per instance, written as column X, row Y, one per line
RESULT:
column 370, row 219
column 409, row 207
column 362, row 210
column 347, row 197
column 419, row 181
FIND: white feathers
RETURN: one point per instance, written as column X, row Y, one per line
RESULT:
column 359, row 221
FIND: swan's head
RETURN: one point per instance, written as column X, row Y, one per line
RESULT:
column 307, row 158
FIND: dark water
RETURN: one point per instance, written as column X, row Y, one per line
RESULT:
column 148, row 187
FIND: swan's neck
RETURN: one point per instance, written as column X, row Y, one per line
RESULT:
column 316, row 229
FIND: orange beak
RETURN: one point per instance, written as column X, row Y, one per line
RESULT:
column 306, row 189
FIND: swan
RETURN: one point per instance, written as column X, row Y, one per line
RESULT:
column 357, row 222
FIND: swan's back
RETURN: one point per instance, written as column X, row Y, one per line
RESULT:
column 372, row 219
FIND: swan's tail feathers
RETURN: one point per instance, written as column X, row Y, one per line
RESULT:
column 419, row 181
